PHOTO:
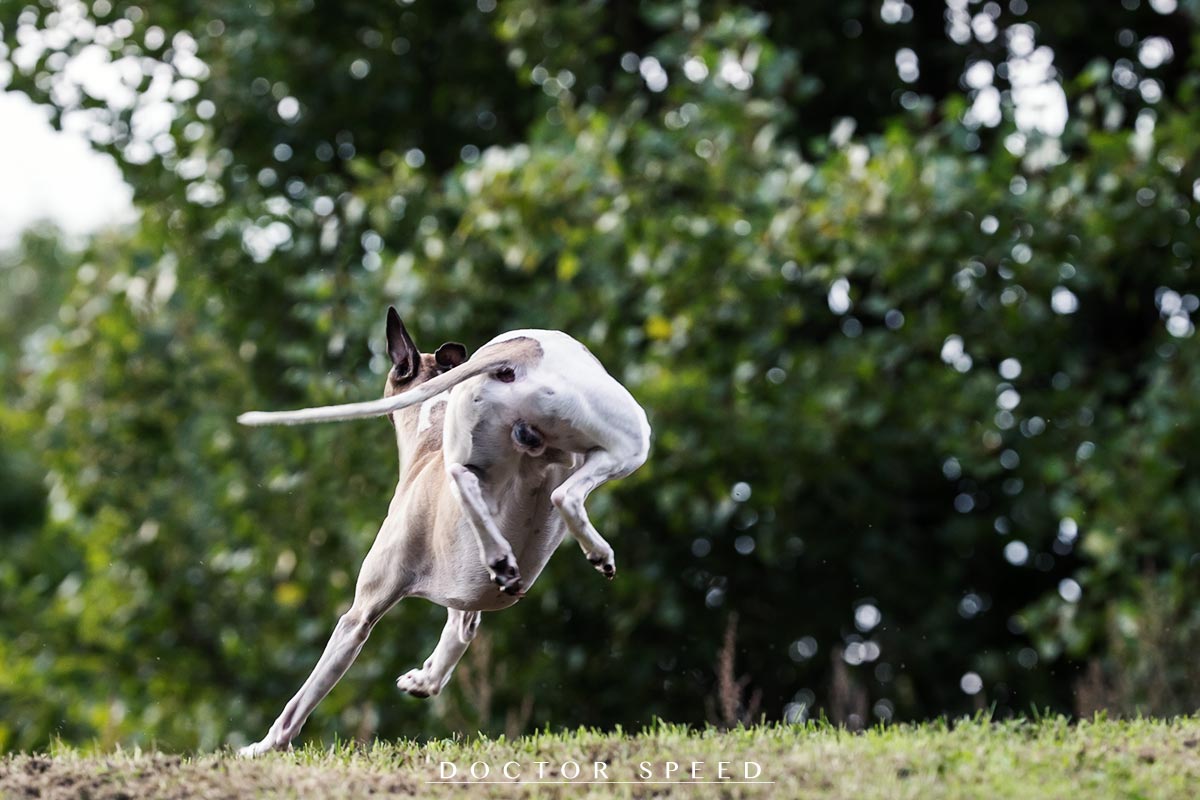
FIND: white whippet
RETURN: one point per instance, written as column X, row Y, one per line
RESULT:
column 497, row 455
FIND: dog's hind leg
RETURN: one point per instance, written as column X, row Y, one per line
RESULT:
column 429, row 679
column 599, row 466
column 380, row 585
column 496, row 551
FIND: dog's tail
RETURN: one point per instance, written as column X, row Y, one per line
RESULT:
column 518, row 353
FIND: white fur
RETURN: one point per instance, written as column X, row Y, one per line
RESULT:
column 496, row 513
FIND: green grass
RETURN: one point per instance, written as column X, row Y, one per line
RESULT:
column 968, row 759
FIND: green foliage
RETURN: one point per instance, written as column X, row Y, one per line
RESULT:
column 875, row 366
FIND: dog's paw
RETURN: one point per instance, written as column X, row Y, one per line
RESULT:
column 257, row 749
column 253, row 750
column 604, row 562
column 418, row 683
column 506, row 575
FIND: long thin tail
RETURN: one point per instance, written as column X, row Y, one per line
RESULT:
column 511, row 353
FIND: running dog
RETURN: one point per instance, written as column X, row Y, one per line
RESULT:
column 498, row 453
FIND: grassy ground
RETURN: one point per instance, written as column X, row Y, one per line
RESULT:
column 1050, row 758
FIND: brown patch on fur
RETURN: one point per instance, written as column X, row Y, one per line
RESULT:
column 429, row 441
column 520, row 351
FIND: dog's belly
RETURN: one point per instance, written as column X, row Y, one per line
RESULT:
column 455, row 575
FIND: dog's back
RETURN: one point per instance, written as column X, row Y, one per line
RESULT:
column 568, row 390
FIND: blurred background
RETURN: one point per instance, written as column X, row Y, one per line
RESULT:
column 906, row 288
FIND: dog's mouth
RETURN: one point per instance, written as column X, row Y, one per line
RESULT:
column 528, row 439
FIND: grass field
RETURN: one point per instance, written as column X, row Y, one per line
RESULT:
column 970, row 759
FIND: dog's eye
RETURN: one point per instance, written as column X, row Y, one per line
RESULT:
column 506, row 375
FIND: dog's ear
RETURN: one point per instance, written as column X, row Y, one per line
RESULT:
column 403, row 352
column 450, row 355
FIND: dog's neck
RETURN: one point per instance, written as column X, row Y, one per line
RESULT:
column 405, row 426
column 417, row 432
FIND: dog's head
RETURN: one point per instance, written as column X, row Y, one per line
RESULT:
column 411, row 367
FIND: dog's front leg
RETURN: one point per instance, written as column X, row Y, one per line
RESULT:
column 430, row 678
column 380, row 585
column 598, row 467
column 496, row 552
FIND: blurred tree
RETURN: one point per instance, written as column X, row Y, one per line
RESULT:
column 28, row 302
column 919, row 395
